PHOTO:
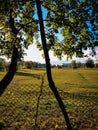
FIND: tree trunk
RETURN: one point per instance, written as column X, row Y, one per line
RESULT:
column 48, row 67
column 12, row 69
column 10, row 74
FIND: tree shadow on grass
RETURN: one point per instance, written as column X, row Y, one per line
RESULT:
column 28, row 74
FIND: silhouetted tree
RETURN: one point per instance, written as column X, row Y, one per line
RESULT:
column 96, row 65
column 28, row 64
column 74, row 64
column 79, row 64
column 89, row 63
column 48, row 66
column 14, row 25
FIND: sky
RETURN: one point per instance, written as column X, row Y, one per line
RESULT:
column 33, row 54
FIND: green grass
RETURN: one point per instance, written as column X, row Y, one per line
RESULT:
column 78, row 89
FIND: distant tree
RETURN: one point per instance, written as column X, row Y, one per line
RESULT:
column 96, row 65
column 31, row 64
column 89, row 63
column 74, row 64
column 20, row 65
column 28, row 64
column 79, row 64
column 53, row 66
column 1, row 66
column 35, row 64
column 6, row 66
column 2, row 60
column 59, row 66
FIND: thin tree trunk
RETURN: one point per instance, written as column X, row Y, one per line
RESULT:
column 48, row 67
column 10, row 74
column 12, row 68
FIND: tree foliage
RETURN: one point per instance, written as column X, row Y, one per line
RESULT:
column 24, row 26
column 17, row 28
column 1, row 66
column 74, row 64
column 89, row 63
column 74, row 20
column 28, row 64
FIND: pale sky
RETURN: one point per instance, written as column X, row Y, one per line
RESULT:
column 33, row 54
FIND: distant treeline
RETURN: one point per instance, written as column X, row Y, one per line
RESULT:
column 89, row 64
column 4, row 65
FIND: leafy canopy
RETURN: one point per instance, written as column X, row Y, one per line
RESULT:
column 70, row 25
column 76, row 21
column 21, row 13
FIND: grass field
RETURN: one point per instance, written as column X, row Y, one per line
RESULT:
column 78, row 89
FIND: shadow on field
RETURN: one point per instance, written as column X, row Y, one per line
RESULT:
column 28, row 74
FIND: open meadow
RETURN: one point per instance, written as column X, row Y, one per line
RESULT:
column 28, row 101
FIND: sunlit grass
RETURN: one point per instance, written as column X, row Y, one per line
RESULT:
column 77, row 87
